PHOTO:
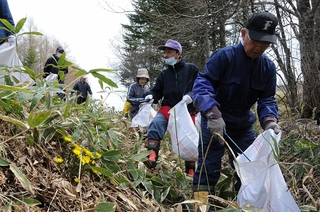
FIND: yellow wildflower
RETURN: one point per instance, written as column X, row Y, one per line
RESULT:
column 76, row 180
column 95, row 171
column 58, row 160
column 85, row 160
column 77, row 151
column 98, row 155
column 88, row 153
column 67, row 139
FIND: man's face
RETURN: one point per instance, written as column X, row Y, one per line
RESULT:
column 167, row 53
column 253, row 49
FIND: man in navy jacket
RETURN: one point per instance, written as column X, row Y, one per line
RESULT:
column 235, row 78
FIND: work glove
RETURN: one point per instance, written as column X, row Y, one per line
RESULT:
column 272, row 125
column 186, row 99
column 215, row 122
column 149, row 98
column 11, row 40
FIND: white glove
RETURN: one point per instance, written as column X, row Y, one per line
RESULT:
column 149, row 97
column 186, row 99
column 11, row 40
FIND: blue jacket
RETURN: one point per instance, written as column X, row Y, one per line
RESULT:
column 173, row 83
column 234, row 82
column 5, row 13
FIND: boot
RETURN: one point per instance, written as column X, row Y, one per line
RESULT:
column 151, row 161
column 201, row 196
column 190, row 167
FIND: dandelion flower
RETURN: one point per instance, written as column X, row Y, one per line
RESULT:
column 67, row 139
column 98, row 155
column 77, row 151
column 76, row 180
column 85, row 160
column 58, row 160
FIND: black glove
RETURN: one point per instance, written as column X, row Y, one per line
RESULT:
column 215, row 121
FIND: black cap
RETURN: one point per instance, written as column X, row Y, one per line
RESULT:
column 60, row 49
column 262, row 27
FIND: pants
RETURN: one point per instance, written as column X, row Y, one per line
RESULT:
column 157, row 128
column 206, row 178
column 81, row 100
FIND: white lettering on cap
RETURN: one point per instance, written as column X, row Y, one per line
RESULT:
column 267, row 25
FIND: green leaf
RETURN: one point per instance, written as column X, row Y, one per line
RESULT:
column 164, row 194
column 103, row 171
column 101, row 70
column 22, row 179
column 113, row 137
column 31, row 202
column 105, row 207
column 105, row 79
column 14, row 88
column 31, row 33
column 20, row 25
column 140, row 155
column 30, row 72
column 7, row 26
column 133, row 171
column 112, row 155
column 3, row 162
column 81, row 72
column 35, row 119
column 14, row 121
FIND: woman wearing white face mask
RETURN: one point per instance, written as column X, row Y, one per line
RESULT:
column 173, row 85
column 51, row 65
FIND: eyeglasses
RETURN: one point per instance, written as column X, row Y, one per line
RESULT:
column 264, row 44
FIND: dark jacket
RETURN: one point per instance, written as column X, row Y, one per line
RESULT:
column 50, row 67
column 136, row 92
column 5, row 13
column 82, row 89
column 173, row 83
column 234, row 82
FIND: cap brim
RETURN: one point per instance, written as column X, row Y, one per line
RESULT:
column 164, row 46
column 260, row 36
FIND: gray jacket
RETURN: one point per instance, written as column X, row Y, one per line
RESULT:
column 134, row 96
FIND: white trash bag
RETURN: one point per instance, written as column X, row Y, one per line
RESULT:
column 183, row 133
column 9, row 57
column 144, row 116
column 262, row 182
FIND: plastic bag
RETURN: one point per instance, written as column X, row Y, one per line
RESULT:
column 262, row 182
column 183, row 133
column 144, row 116
column 9, row 57
column 52, row 77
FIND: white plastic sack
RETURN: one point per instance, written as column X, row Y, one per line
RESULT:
column 144, row 116
column 52, row 77
column 262, row 182
column 9, row 57
column 183, row 133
